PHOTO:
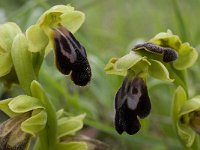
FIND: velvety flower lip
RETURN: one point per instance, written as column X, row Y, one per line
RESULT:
column 131, row 101
column 168, row 53
column 70, row 56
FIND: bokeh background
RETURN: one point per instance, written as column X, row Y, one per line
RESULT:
column 111, row 29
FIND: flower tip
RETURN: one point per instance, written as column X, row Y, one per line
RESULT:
column 169, row 55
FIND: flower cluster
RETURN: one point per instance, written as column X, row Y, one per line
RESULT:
column 21, row 55
column 164, row 57
column 29, row 117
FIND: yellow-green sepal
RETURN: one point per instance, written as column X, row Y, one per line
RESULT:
column 37, row 39
column 35, row 123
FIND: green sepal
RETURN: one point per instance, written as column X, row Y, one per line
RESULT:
column 181, row 107
column 22, row 62
column 8, row 31
column 72, row 20
column 159, row 71
column 167, row 39
column 51, row 127
column 180, row 98
column 109, row 68
column 5, row 108
column 190, row 106
column 122, row 65
column 35, row 123
column 186, row 134
column 72, row 146
column 126, row 62
column 5, row 63
column 24, row 103
column 187, row 56
column 48, row 17
column 69, row 125
column 37, row 39
column 64, row 15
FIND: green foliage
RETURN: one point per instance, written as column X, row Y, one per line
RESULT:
column 110, row 28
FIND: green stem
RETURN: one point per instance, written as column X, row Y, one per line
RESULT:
column 47, row 137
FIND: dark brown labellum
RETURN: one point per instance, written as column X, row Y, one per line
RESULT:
column 131, row 101
column 71, row 57
column 169, row 54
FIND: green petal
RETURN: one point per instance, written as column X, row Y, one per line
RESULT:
column 5, row 63
column 24, row 103
column 186, row 134
column 69, row 125
column 167, row 39
column 179, row 100
column 191, row 105
column 187, row 56
column 5, row 108
column 72, row 146
column 72, row 20
column 35, row 123
column 109, row 68
column 8, row 31
column 159, row 71
column 37, row 39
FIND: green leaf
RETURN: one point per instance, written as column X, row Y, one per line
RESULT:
column 69, row 125
column 8, row 31
column 5, row 63
column 72, row 20
column 35, row 123
column 24, row 103
column 37, row 39
column 179, row 100
column 22, row 62
column 158, row 70
column 72, row 146
column 5, row 108
column 187, row 56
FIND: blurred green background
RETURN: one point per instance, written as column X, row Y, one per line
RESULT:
column 111, row 29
